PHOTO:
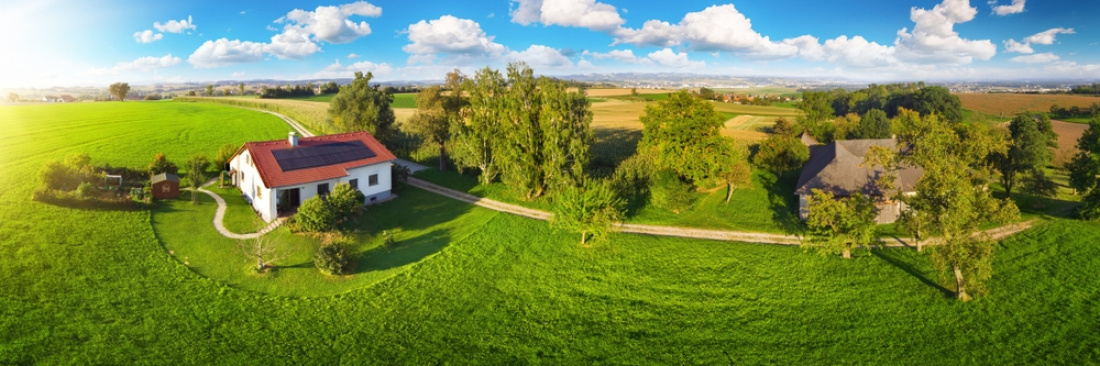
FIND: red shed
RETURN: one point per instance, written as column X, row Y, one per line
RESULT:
column 166, row 186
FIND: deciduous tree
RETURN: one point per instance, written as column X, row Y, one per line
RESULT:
column 161, row 164
column 119, row 90
column 678, row 132
column 1029, row 151
column 591, row 208
column 474, row 139
column 1084, row 168
column 12, row 97
column 838, row 225
column 873, row 125
column 209, row 90
column 196, row 174
column 362, row 107
column 264, row 249
column 781, row 154
column 952, row 198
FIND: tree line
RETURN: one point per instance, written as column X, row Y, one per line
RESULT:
column 839, row 114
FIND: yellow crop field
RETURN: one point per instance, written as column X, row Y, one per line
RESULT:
column 614, row 92
column 1010, row 104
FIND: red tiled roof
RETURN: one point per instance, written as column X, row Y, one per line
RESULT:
column 274, row 176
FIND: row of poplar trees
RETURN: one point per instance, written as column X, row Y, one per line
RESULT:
column 531, row 133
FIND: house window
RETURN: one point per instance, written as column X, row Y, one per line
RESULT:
column 165, row 188
column 354, row 183
column 372, row 180
column 322, row 189
column 259, row 193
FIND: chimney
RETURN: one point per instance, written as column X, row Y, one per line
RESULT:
column 293, row 138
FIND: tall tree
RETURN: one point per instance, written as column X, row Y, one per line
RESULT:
column 725, row 163
column 873, row 125
column 438, row 108
column 838, row 225
column 1029, row 151
column 817, row 108
column 240, row 88
column 196, row 174
column 952, row 196
column 474, row 139
column 566, row 125
column 362, row 107
column 591, row 208
column 119, row 90
column 209, row 90
column 1084, row 168
column 676, row 130
column 161, row 164
column 939, row 100
column 781, row 154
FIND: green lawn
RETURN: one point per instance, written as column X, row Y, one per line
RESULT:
column 404, row 100
column 100, row 286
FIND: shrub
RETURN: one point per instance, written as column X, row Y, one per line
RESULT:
column 333, row 259
column 631, row 178
column 388, row 240
column 345, row 202
column 669, row 192
column 314, row 215
column 400, row 173
column 1090, row 206
column 85, row 190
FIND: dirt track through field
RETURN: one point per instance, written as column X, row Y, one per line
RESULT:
column 683, row 232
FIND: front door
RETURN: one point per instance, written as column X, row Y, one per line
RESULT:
column 290, row 200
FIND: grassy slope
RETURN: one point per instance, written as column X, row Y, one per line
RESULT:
column 86, row 286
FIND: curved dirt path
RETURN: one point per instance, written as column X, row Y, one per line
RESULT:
column 219, row 216
column 682, row 232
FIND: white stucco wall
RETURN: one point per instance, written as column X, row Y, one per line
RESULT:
column 247, row 179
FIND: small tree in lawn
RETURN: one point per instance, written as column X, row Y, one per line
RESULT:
column 264, row 250
column 161, row 164
column 839, row 225
column 314, row 215
column 196, row 174
column 588, row 209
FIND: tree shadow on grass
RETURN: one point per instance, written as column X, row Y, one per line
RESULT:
column 783, row 202
column 610, row 148
column 890, row 256
column 404, row 252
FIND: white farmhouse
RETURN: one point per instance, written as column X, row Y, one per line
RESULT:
column 277, row 176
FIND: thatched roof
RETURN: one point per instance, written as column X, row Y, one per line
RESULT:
column 838, row 167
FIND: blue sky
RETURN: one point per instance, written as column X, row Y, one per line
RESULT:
column 70, row 43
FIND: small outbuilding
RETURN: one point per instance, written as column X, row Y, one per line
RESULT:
column 165, row 186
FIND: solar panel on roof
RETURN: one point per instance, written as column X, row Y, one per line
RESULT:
column 304, row 157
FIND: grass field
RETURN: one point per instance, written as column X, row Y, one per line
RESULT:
column 1008, row 105
column 100, row 287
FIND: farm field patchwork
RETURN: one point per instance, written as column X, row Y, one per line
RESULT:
column 1007, row 105
column 98, row 287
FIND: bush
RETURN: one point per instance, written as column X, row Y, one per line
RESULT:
column 1090, row 206
column 388, row 240
column 85, row 190
column 314, row 215
column 333, row 259
column 669, row 192
column 632, row 177
column 345, row 202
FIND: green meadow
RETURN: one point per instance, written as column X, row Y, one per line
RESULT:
column 469, row 286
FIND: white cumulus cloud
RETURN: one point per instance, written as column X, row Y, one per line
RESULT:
column 617, row 55
column 147, row 36
column 1038, row 58
column 291, row 44
column 541, row 57
column 1047, row 37
column 451, row 35
column 331, row 23
column 716, row 28
column 175, row 26
column 567, row 13
column 668, row 58
column 1012, row 46
column 338, row 70
column 224, row 52
column 934, row 39
column 1016, row 7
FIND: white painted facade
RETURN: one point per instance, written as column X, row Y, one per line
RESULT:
column 265, row 200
